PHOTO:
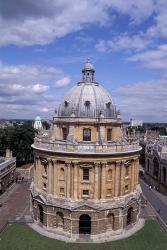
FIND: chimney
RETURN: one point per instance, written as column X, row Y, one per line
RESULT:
column 8, row 155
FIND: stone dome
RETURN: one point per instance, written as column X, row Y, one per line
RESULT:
column 88, row 66
column 87, row 99
column 38, row 118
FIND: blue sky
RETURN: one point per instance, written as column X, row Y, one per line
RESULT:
column 44, row 44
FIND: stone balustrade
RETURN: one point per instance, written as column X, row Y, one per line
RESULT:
column 60, row 146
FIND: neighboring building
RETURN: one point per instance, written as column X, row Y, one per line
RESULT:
column 86, row 170
column 7, row 171
column 136, row 123
column 156, row 162
column 38, row 123
column 25, row 172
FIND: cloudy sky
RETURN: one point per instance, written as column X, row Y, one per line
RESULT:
column 43, row 45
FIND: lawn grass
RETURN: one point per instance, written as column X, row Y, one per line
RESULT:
column 21, row 237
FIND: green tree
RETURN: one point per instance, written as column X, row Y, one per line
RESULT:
column 18, row 139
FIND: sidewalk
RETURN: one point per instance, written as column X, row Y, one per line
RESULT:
column 15, row 204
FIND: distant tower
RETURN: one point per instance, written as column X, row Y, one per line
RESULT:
column 38, row 123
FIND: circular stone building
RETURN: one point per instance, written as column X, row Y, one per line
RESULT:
column 86, row 170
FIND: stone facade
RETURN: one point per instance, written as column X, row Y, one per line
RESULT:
column 156, row 162
column 7, row 171
column 86, row 171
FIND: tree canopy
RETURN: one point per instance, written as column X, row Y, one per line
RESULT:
column 18, row 139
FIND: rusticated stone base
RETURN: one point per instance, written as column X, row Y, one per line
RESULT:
column 67, row 220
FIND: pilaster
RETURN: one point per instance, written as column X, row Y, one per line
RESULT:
column 75, row 178
column 68, row 180
column 117, row 178
column 103, row 181
column 96, row 181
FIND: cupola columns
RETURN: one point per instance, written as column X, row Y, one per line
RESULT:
column 88, row 72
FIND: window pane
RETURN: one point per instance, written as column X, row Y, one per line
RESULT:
column 109, row 134
column 85, row 174
column 86, row 134
column 85, row 192
column 65, row 133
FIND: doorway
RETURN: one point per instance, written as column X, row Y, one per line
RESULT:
column 84, row 224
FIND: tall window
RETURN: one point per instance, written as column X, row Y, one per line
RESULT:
column 109, row 174
column 85, row 174
column 65, row 133
column 109, row 134
column 86, row 134
column 126, row 171
column 62, row 175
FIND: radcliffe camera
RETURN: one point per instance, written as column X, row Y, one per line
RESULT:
column 83, row 127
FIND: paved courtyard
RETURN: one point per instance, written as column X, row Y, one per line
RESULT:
column 15, row 204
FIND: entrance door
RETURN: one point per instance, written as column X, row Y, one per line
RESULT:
column 84, row 224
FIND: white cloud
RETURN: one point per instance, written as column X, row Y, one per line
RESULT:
column 154, row 59
column 32, row 23
column 28, row 22
column 143, row 100
column 45, row 110
column 62, row 82
column 124, row 42
column 137, row 10
column 39, row 88
column 23, row 90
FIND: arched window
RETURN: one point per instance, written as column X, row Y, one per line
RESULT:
column 60, row 220
column 164, row 174
column 155, row 167
column 148, row 165
column 62, row 174
column 130, row 216
column 41, row 217
column 109, row 174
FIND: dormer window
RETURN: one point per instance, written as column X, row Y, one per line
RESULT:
column 108, row 105
column 66, row 104
column 87, row 103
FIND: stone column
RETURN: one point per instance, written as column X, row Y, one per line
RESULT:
column 122, row 178
column 96, row 181
column 35, row 170
column 137, row 171
column 117, row 178
column 56, row 186
column 70, row 136
column 103, row 181
column 75, row 180
column 68, row 180
column 133, row 175
column 49, row 177
column 102, row 133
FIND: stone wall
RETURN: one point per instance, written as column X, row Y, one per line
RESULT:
column 108, row 178
column 102, row 221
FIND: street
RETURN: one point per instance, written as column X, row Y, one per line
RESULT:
column 156, row 199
